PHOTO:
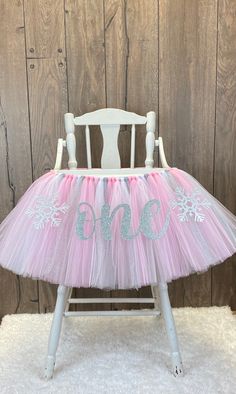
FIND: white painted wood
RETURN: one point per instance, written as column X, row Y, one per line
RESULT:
column 150, row 138
column 134, row 312
column 132, row 153
column 60, row 145
column 114, row 172
column 110, row 121
column 62, row 296
column 155, row 294
column 177, row 366
column 110, row 154
column 70, row 139
column 109, row 116
column 88, row 146
column 69, row 296
column 109, row 300
column 159, row 143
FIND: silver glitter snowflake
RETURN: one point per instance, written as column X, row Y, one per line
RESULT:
column 46, row 210
column 190, row 205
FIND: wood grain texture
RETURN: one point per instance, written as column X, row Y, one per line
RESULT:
column 86, row 84
column 116, row 57
column 47, row 86
column 7, row 193
column 187, row 75
column 117, row 52
column 48, row 103
column 131, row 54
column 224, row 275
column 121, row 34
column 15, row 172
column 45, row 28
column 142, row 65
column 141, row 26
column 86, row 68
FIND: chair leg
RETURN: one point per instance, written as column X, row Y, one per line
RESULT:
column 155, row 295
column 177, row 366
column 68, row 296
column 62, row 297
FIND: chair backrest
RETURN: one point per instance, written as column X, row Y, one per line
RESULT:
column 110, row 120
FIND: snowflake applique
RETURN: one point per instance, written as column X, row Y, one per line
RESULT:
column 46, row 210
column 190, row 205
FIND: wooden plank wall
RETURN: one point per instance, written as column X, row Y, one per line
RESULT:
column 177, row 58
column 187, row 106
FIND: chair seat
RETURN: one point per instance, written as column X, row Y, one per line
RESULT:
column 112, row 172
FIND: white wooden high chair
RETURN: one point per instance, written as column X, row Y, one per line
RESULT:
column 109, row 120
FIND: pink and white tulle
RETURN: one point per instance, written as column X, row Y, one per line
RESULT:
column 116, row 232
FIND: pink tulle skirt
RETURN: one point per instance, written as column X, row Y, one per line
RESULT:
column 116, row 232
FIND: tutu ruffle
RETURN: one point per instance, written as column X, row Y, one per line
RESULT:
column 116, row 232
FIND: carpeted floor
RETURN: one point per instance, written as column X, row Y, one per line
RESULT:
column 120, row 354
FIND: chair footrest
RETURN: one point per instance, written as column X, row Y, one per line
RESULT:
column 110, row 300
column 134, row 312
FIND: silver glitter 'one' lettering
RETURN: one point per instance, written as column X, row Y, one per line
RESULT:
column 146, row 216
column 107, row 218
column 81, row 220
column 106, row 221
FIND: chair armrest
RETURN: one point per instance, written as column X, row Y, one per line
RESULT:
column 60, row 145
column 159, row 143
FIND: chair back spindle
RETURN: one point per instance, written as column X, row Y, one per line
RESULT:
column 132, row 150
column 88, row 146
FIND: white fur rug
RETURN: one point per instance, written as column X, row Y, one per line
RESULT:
column 120, row 354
